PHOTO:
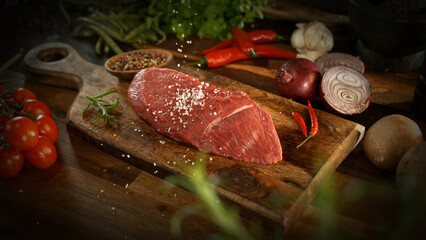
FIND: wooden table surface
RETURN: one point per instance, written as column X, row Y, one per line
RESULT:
column 88, row 194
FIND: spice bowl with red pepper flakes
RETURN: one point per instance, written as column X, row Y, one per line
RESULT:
column 127, row 64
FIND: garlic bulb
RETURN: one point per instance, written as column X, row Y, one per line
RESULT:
column 312, row 36
column 311, row 55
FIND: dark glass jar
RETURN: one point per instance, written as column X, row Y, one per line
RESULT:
column 419, row 99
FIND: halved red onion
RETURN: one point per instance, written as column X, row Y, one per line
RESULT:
column 345, row 91
column 329, row 60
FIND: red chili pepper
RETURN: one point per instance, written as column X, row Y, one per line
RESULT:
column 233, row 54
column 243, row 41
column 298, row 119
column 314, row 124
column 257, row 37
column 264, row 51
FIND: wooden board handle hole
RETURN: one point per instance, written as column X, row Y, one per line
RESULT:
column 52, row 54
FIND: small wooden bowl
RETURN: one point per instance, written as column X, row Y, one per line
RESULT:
column 129, row 74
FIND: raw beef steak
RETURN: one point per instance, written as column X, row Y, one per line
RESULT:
column 226, row 123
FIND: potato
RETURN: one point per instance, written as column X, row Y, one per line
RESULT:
column 411, row 170
column 389, row 138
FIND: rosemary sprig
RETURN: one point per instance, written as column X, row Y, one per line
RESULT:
column 103, row 106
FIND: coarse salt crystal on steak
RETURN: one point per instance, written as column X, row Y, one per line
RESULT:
column 226, row 123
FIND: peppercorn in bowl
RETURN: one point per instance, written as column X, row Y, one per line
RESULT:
column 127, row 64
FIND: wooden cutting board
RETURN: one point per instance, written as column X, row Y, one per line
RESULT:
column 277, row 192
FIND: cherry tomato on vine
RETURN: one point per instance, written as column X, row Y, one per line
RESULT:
column 11, row 162
column 3, row 90
column 23, row 94
column 43, row 155
column 21, row 133
column 35, row 107
column 46, row 126
column 3, row 120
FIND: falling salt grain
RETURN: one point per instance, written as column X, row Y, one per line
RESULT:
column 155, row 164
column 101, row 190
column 123, row 155
column 178, row 65
column 20, row 190
column 128, row 156
column 162, row 142
column 113, row 208
column 127, row 185
column 156, row 171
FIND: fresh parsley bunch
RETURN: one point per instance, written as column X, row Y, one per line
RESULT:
column 205, row 17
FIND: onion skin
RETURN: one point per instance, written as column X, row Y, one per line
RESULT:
column 354, row 93
column 298, row 79
column 330, row 60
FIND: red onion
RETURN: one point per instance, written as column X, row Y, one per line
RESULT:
column 297, row 79
column 329, row 60
column 345, row 91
